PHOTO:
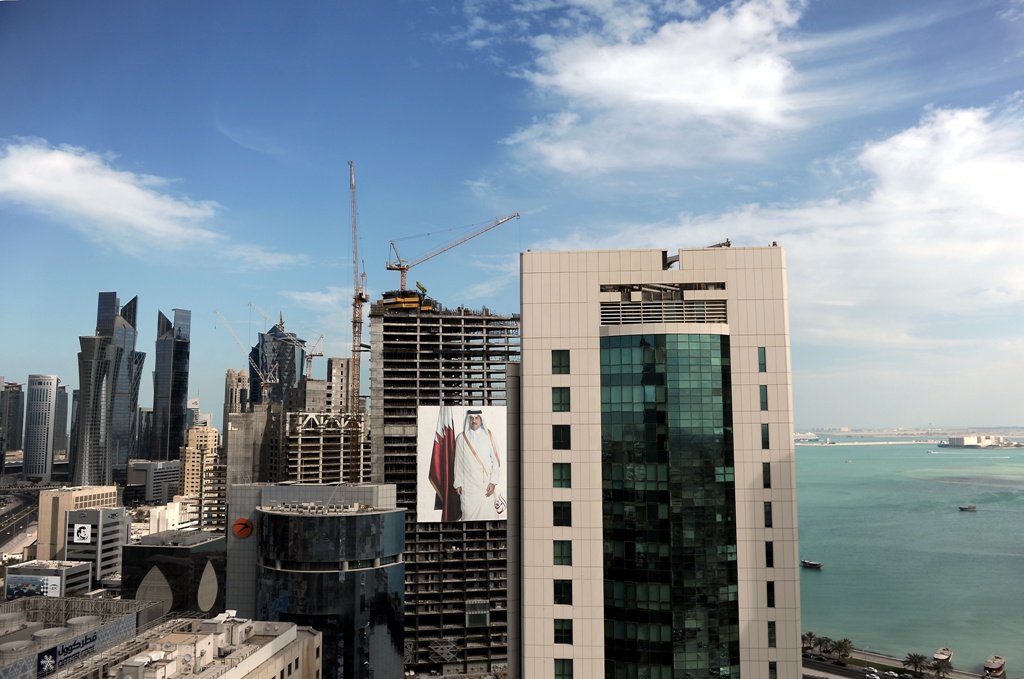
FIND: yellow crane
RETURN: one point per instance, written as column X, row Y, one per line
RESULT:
column 396, row 263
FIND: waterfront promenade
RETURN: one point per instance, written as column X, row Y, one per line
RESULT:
column 826, row 670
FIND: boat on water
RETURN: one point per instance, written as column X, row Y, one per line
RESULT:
column 968, row 508
column 944, row 653
column 995, row 666
column 810, row 564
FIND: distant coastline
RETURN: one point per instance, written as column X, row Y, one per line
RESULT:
column 830, row 444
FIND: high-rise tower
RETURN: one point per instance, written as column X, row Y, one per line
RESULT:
column 658, row 534
column 109, row 373
column 40, row 426
column 426, row 364
column 170, row 384
column 236, row 393
column 12, row 414
column 280, row 356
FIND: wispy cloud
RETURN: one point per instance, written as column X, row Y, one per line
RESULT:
column 640, row 86
column 249, row 138
column 129, row 211
column 646, row 85
column 331, row 299
column 137, row 214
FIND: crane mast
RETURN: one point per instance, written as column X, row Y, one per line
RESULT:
column 358, row 297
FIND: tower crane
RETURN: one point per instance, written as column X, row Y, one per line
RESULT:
column 359, row 296
column 396, row 263
column 265, row 380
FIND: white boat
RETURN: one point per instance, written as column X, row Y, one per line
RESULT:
column 810, row 564
column 944, row 653
column 995, row 666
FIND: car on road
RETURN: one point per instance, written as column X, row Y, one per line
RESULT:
column 906, row 676
column 870, row 670
column 891, row 674
column 872, row 676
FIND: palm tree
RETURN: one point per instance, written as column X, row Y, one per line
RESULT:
column 942, row 668
column 824, row 645
column 842, row 648
column 810, row 639
column 916, row 662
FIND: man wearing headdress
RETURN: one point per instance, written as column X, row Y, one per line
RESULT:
column 477, row 469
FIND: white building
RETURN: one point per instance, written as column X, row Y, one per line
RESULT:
column 657, row 529
column 40, row 418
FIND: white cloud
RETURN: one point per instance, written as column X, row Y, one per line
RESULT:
column 330, row 299
column 132, row 212
column 641, row 85
column 248, row 257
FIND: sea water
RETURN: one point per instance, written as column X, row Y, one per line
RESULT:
column 904, row 570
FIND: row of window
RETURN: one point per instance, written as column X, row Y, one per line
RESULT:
column 560, row 361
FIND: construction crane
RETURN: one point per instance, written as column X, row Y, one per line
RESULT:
column 265, row 380
column 359, row 296
column 396, row 263
column 313, row 351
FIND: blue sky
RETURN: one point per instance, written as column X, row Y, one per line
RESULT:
column 196, row 154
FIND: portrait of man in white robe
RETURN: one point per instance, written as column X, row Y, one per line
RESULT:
column 477, row 470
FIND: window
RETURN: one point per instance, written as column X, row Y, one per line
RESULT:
column 559, row 361
column 771, row 634
column 563, row 592
column 769, row 554
column 559, row 399
column 765, row 439
column 562, row 514
column 563, row 668
column 767, row 514
column 563, row 631
column 762, row 362
column 764, row 397
column 563, row 553
column 766, row 474
column 773, row 670
column 771, row 594
column 561, row 473
column 561, row 438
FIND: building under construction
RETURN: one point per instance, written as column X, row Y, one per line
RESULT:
column 456, row 593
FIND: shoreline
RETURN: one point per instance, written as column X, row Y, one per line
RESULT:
column 861, row 443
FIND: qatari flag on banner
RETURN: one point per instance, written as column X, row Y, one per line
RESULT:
column 442, row 467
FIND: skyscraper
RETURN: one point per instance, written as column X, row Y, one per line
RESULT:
column 40, row 424
column 12, row 414
column 236, row 394
column 170, row 384
column 109, row 373
column 280, row 356
column 658, row 532
column 426, row 364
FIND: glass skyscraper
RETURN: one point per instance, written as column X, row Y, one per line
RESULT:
column 109, row 374
column 170, row 385
column 658, row 536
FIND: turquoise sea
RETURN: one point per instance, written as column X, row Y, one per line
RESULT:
column 904, row 570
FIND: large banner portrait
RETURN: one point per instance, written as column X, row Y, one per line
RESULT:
column 461, row 463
